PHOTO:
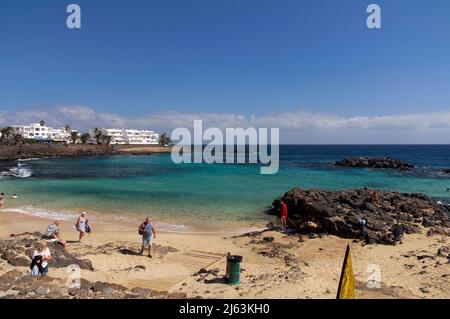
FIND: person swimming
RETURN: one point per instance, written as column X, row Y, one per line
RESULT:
column 14, row 196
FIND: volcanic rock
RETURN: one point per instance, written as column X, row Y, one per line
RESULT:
column 19, row 248
column 384, row 162
column 21, row 285
column 352, row 214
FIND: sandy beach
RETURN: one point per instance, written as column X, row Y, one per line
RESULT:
column 275, row 265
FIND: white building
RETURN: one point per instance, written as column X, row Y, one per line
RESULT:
column 39, row 132
column 129, row 136
column 117, row 136
column 141, row 137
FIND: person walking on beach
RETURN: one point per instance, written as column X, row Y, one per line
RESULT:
column 147, row 230
column 41, row 257
column 2, row 200
column 52, row 234
column 284, row 213
column 82, row 226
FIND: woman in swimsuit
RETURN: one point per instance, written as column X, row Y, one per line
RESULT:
column 81, row 225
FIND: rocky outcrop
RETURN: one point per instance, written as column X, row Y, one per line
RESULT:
column 18, row 251
column 342, row 213
column 21, row 285
column 446, row 171
column 385, row 162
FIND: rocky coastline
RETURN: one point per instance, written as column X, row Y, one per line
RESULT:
column 15, row 284
column 353, row 214
column 16, row 152
column 18, row 284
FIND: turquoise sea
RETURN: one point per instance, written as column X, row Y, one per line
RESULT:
column 183, row 196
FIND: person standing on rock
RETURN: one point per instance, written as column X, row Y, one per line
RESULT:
column 284, row 213
column 147, row 230
column 375, row 199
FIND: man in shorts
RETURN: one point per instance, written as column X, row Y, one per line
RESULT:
column 147, row 230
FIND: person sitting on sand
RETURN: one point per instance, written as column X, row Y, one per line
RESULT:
column 41, row 257
column 375, row 199
column 362, row 223
column 81, row 225
column 52, row 234
column 284, row 213
column 147, row 230
column 2, row 200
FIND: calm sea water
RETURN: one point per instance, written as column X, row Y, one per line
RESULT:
column 203, row 194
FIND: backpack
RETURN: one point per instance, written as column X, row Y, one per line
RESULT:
column 141, row 229
column 87, row 228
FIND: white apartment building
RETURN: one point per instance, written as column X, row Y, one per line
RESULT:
column 116, row 135
column 39, row 132
column 130, row 136
column 141, row 137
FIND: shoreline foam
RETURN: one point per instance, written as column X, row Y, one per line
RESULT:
column 131, row 221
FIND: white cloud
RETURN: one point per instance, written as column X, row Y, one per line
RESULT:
column 295, row 127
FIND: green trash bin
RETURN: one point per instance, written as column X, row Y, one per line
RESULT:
column 234, row 269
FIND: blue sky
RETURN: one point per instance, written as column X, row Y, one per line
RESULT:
column 212, row 58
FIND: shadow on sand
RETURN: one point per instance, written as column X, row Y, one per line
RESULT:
column 126, row 251
column 222, row 280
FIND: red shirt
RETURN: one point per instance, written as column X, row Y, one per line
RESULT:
column 284, row 210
